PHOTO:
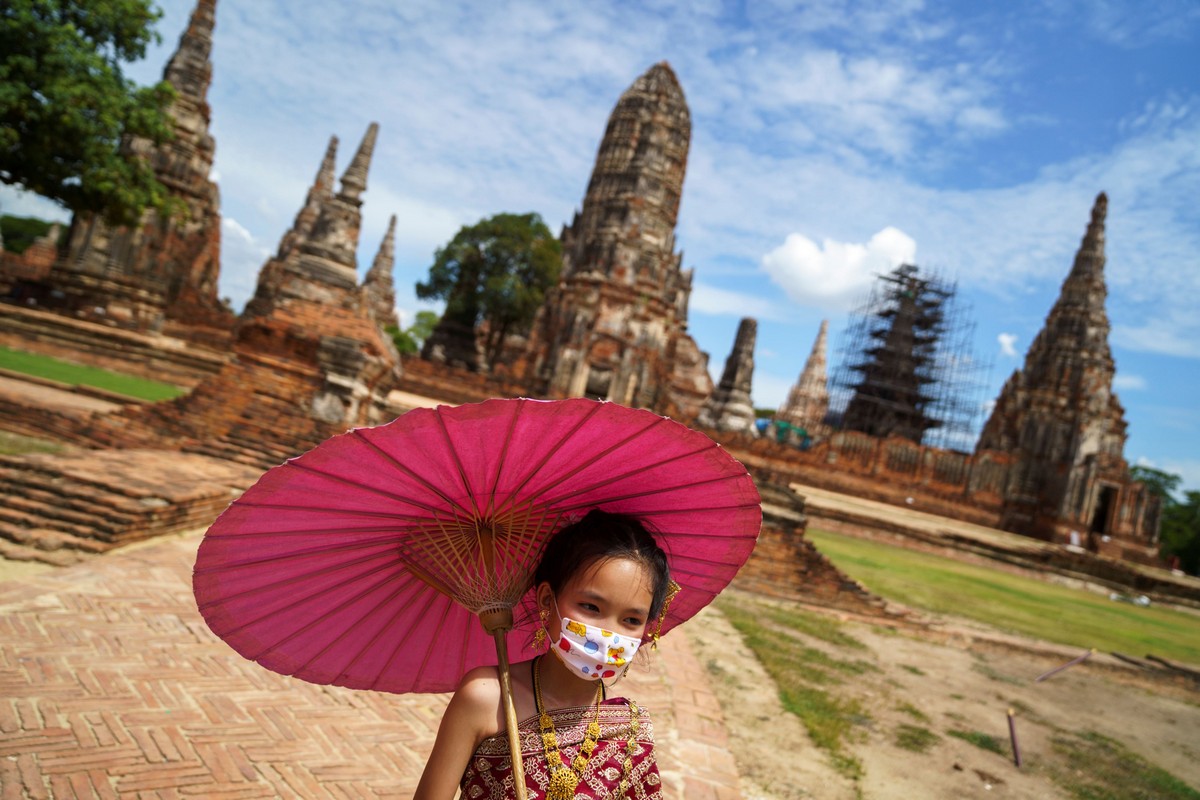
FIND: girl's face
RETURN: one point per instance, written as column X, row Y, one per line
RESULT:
column 613, row 594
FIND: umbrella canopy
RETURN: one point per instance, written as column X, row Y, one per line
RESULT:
column 366, row 561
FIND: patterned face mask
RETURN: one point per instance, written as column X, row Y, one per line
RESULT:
column 593, row 653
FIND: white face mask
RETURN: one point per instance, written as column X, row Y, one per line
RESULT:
column 593, row 653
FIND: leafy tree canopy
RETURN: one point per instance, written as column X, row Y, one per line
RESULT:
column 65, row 104
column 1163, row 484
column 1179, row 532
column 20, row 232
column 410, row 339
column 496, row 272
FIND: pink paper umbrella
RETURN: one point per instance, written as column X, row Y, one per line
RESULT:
column 370, row 561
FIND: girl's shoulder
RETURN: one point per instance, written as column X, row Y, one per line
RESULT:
column 479, row 687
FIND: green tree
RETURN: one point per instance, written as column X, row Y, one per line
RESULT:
column 1179, row 529
column 1163, row 484
column 495, row 272
column 20, row 232
column 410, row 339
column 65, row 104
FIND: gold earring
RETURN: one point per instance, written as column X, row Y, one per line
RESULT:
column 540, row 635
column 673, row 589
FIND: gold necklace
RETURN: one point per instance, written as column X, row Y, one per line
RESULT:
column 564, row 779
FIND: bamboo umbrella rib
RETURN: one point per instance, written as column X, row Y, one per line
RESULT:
column 399, row 598
column 357, row 485
column 441, row 623
column 342, row 510
column 401, row 636
column 385, row 548
column 405, row 469
column 464, row 484
column 591, row 461
column 550, row 450
column 650, row 492
column 278, row 584
column 440, row 546
column 643, row 468
column 389, row 568
column 502, row 458
column 243, row 534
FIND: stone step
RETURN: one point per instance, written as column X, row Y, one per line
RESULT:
column 22, row 545
column 26, row 519
column 92, row 501
column 30, row 500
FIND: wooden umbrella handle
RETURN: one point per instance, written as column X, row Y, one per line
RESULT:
column 510, row 715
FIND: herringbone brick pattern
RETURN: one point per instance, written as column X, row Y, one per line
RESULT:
column 111, row 686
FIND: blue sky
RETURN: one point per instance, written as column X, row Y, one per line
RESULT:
column 830, row 141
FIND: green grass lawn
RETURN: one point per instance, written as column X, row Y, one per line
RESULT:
column 78, row 374
column 1012, row 602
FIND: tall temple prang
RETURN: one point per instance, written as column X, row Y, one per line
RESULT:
column 729, row 408
column 162, row 273
column 808, row 401
column 379, row 285
column 615, row 327
column 1060, row 419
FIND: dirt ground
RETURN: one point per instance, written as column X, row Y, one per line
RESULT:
column 950, row 677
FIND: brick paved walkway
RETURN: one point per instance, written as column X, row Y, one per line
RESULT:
column 112, row 686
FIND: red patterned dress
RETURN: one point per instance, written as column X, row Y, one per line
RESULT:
column 489, row 773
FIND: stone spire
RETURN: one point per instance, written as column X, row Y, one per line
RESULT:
column 354, row 180
column 320, row 191
column 1066, row 382
column 730, row 408
column 379, row 285
column 190, row 69
column 331, row 249
column 162, row 268
column 626, row 230
column 808, row 401
column 616, row 325
column 1058, row 415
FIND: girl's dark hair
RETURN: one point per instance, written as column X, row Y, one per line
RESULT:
column 599, row 536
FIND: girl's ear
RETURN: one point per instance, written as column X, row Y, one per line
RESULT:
column 544, row 595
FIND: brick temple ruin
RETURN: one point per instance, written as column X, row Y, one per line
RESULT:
column 309, row 356
column 1061, row 422
column 160, row 275
column 615, row 327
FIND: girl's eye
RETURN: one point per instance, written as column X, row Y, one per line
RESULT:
column 590, row 607
column 634, row 622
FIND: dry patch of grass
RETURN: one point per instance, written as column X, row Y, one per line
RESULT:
column 1099, row 768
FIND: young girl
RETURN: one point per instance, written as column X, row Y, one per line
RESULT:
column 601, row 582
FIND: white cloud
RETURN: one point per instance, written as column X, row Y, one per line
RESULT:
column 20, row 203
column 242, row 256
column 834, row 274
column 1129, row 383
column 1008, row 343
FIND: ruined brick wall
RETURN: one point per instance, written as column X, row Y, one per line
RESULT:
column 786, row 565
column 453, row 385
column 888, row 470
